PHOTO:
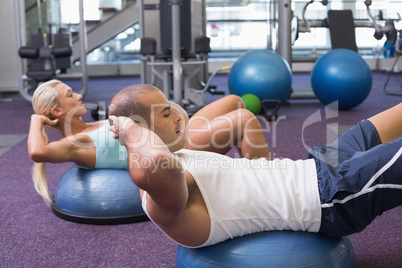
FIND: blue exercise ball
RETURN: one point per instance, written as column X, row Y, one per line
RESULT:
column 97, row 194
column 341, row 75
column 271, row 249
column 262, row 73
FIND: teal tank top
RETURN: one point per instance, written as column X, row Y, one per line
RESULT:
column 109, row 152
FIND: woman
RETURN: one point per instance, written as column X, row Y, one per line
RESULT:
column 217, row 128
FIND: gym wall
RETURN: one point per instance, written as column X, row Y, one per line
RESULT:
column 8, row 48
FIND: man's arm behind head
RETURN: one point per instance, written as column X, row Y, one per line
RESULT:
column 154, row 169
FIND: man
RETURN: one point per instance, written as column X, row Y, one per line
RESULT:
column 217, row 127
column 203, row 198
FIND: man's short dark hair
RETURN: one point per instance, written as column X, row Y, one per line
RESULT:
column 127, row 102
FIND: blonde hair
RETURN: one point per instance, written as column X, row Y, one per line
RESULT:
column 43, row 100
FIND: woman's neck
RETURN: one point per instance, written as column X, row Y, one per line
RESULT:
column 73, row 126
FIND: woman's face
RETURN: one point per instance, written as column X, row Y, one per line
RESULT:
column 70, row 103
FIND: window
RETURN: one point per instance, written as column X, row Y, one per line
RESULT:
column 238, row 25
column 235, row 26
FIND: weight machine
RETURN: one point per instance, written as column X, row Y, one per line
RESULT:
column 49, row 55
column 182, row 73
column 342, row 25
column 393, row 39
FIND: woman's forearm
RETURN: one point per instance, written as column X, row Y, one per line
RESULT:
column 36, row 140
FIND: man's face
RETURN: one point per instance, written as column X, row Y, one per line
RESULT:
column 165, row 121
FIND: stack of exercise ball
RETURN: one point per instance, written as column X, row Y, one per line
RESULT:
column 341, row 75
column 260, row 75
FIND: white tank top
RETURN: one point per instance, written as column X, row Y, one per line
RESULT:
column 247, row 196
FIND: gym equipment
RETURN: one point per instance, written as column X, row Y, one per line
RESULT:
column 270, row 109
column 388, row 29
column 252, row 102
column 388, row 50
column 390, row 72
column 394, row 40
column 182, row 73
column 284, row 48
column 342, row 29
column 341, row 75
column 340, row 23
column 98, row 113
column 342, row 26
column 49, row 55
column 304, row 25
column 262, row 73
column 271, row 249
column 98, row 196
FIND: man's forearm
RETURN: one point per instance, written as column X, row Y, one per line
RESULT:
column 149, row 158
